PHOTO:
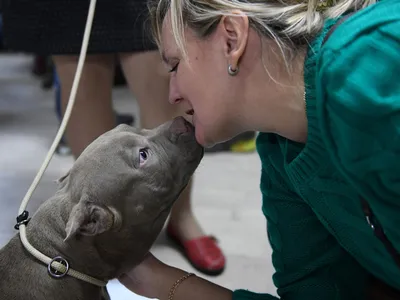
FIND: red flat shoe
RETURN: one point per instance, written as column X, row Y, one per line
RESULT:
column 203, row 253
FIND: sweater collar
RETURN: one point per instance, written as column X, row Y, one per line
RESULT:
column 310, row 159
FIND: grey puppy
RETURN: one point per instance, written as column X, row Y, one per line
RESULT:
column 106, row 214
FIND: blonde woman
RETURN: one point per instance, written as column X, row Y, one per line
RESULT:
column 326, row 98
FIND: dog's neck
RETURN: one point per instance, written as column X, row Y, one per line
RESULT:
column 105, row 256
column 46, row 232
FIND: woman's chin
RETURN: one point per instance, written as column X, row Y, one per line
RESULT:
column 203, row 141
column 206, row 136
column 200, row 136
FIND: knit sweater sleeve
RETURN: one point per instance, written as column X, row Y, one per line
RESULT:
column 359, row 88
column 309, row 263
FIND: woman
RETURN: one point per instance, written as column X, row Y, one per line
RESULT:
column 329, row 117
column 56, row 28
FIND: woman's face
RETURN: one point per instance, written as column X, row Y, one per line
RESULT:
column 202, row 82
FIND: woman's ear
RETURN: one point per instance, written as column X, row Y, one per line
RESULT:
column 235, row 30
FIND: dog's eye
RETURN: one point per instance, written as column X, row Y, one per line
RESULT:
column 143, row 154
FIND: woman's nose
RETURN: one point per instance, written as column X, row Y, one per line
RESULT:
column 174, row 95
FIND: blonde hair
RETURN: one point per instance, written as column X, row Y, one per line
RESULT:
column 291, row 24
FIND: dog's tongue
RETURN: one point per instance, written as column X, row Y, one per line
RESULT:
column 180, row 125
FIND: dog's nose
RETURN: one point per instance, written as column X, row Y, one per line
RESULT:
column 181, row 125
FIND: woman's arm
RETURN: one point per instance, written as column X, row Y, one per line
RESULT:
column 154, row 279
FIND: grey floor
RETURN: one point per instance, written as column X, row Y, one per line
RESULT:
column 226, row 196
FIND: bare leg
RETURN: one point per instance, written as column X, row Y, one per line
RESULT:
column 149, row 82
column 92, row 114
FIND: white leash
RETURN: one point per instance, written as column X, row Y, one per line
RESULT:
column 58, row 267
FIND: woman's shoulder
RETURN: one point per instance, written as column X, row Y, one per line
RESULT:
column 383, row 17
column 357, row 70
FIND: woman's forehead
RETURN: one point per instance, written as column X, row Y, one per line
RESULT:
column 168, row 44
column 167, row 36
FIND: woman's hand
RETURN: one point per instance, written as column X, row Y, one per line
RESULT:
column 154, row 279
column 145, row 279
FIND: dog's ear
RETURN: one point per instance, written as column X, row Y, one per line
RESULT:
column 61, row 181
column 90, row 219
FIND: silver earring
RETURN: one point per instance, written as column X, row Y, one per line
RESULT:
column 231, row 71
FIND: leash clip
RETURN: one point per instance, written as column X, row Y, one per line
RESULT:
column 22, row 219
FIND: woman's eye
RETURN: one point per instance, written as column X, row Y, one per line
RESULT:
column 174, row 69
column 144, row 155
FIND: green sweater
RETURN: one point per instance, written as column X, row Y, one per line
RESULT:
column 323, row 247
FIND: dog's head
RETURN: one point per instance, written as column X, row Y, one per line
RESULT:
column 124, row 184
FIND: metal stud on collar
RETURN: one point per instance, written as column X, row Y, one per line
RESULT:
column 56, row 273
